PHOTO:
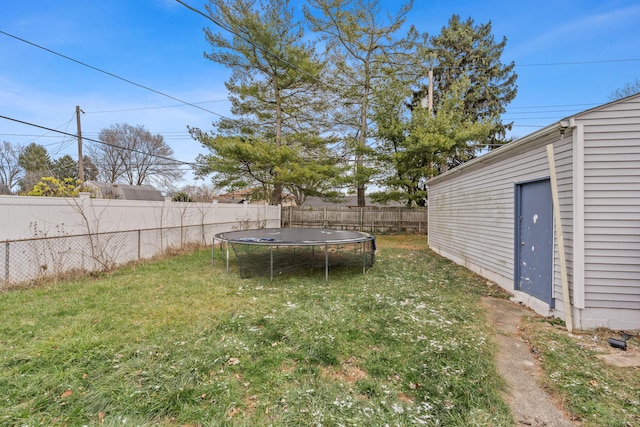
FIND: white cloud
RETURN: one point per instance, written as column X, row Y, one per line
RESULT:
column 565, row 30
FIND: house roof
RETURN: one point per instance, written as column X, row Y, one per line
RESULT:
column 107, row 190
column 560, row 124
column 238, row 196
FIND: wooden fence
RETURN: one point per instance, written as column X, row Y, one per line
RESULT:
column 368, row 219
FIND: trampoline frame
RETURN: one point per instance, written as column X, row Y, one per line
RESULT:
column 227, row 237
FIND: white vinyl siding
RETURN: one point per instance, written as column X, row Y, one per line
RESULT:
column 612, row 205
column 471, row 214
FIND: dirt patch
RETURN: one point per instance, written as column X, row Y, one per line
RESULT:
column 598, row 340
column 530, row 404
column 622, row 360
column 349, row 372
column 287, row 367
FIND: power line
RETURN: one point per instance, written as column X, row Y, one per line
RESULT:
column 534, row 118
column 111, row 74
column 528, row 126
column 133, row 150
column 247, row 40
column 153, row 108
column 555, row 106
column 553, row 64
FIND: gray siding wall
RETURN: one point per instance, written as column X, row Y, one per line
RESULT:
column 471, row 213
column 612, row 209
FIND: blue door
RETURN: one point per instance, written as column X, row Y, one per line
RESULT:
column 534, row 240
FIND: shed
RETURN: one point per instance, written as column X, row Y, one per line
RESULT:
column 494, row 215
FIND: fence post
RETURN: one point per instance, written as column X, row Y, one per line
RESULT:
column 325, row 221
column 6, row 262
column 139, row 243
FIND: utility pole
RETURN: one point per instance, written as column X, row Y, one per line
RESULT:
column 80, row 165
column 428, row 102
column 430, row 94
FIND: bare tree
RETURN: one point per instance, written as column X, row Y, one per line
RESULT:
column 10, row 170
column 109, row 157
column 205, row 192
column 630, row 88
column 132, row 155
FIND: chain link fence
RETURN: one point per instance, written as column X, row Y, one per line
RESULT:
column 47, row 257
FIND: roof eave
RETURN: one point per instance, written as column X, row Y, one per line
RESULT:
column 500, row 151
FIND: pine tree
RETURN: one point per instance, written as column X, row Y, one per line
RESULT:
column 275, row 139
column 416, row 143
column 464, row 49
column 36, row 163
column 360, row 45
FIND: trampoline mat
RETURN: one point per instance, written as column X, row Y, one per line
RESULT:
column 294, row 236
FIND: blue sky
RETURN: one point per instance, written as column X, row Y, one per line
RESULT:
column 570, row 55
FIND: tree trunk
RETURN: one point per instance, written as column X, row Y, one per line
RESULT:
column 276, row 197
column 363, row 138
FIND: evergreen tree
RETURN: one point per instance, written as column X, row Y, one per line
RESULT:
column 360, row 45
column 90, row 169
column 415, row 143
column 64, row 167
column 276, row 140
column 36, row 163
column 464, row 49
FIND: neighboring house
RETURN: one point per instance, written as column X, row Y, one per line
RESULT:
column 494, row 215
column 107, row 190
column 246, row 195
column 239, row 196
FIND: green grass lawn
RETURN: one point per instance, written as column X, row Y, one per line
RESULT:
column 175, row 343
column 172, row 342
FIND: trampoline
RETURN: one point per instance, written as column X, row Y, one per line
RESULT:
column 281, row 250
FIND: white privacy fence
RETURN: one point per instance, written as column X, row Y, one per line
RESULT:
column 43, row 237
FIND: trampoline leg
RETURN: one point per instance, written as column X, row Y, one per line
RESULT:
column 226, row 246
column 213, row 251
column 364, row 261
column 326, row 261
column 271, row 262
